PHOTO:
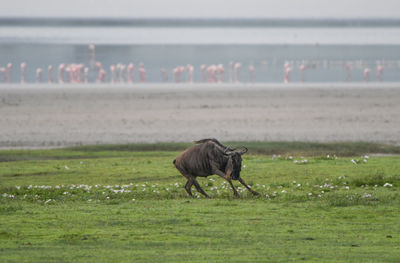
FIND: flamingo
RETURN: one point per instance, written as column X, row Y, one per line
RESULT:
column 99, row 69
column 9, row 72
column 366, row 74
column 39, row 72
column 23, row 67
column 252, row 72
column 86, row 74
column 164, row 75
column 129, row 72
column 221, row 73
column 101, row 77
column 60, row 73
column 203, row 69
column 4, row 72
column 379, row 72
column 231, row 72
column 190, row 70
column 286, row 72
column 348, row 71
column 237, row 67
column 211, row 70
column 142, row 73
column 92, row 50
column 112, row 72
column 302, row 68
column 50, row 70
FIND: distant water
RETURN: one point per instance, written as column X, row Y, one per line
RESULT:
column 266, row 44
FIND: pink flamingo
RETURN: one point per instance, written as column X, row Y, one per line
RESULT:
column 190, row 70
column 23, row 67
column 4, row 72
column 252, row 72
column 286, row 72
column 130, row 72
column 101, row 77
column 211, row 70
column 122, row 73
column 366, row 74
column 175, row 72
column 142, row 73
column 39, row 72
column 86, row 74
column 99, row 68
column 221, row 73
column 238, row 67
column 92, row 50
column 9, row 72
column 112, row 72
column 302, row 68
column 348, row 71
column 164, row 75
column 231, row 72
column 203, row 69
column 119, row 72
column 60, row 73
column 379, row 72
column 178, row 71
column 50, row 71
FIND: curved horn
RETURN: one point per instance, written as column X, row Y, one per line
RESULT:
column 229, row 151
column 244, row 150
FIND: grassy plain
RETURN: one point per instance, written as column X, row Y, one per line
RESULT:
column 126, row 203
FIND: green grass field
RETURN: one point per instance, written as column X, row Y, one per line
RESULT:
column 126, row 203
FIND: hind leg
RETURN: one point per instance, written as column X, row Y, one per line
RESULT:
column 197, row 185
column 188, row 186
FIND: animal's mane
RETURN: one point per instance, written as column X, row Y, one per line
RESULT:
column 214, row 141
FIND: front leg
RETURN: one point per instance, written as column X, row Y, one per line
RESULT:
column 227, row 177
column 248, row 187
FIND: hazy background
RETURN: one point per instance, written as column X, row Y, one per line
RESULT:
column 204, row 8
column 324, row 35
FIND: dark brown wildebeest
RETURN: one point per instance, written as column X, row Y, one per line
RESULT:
column 210, row 157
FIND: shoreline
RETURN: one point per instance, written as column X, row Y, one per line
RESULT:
column 53, row 115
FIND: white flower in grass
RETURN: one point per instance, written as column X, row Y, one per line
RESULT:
column 354, row 162
column 283, row 191
column 48, row 201
column 366, row 195
column 298, row 185
column 309, row 194
column 66, row 167
column 387, row 185
column 347, row 187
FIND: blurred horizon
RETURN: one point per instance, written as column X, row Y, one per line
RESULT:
column 202, row 9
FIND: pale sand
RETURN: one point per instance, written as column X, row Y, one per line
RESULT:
column 55, row 115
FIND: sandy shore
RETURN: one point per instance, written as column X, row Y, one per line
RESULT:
column 62, row 115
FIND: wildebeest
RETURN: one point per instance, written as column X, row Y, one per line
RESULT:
column 210, row 157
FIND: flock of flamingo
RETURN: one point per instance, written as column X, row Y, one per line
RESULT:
column 122, row 73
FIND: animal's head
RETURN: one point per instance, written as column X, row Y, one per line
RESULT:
column 235, row 162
